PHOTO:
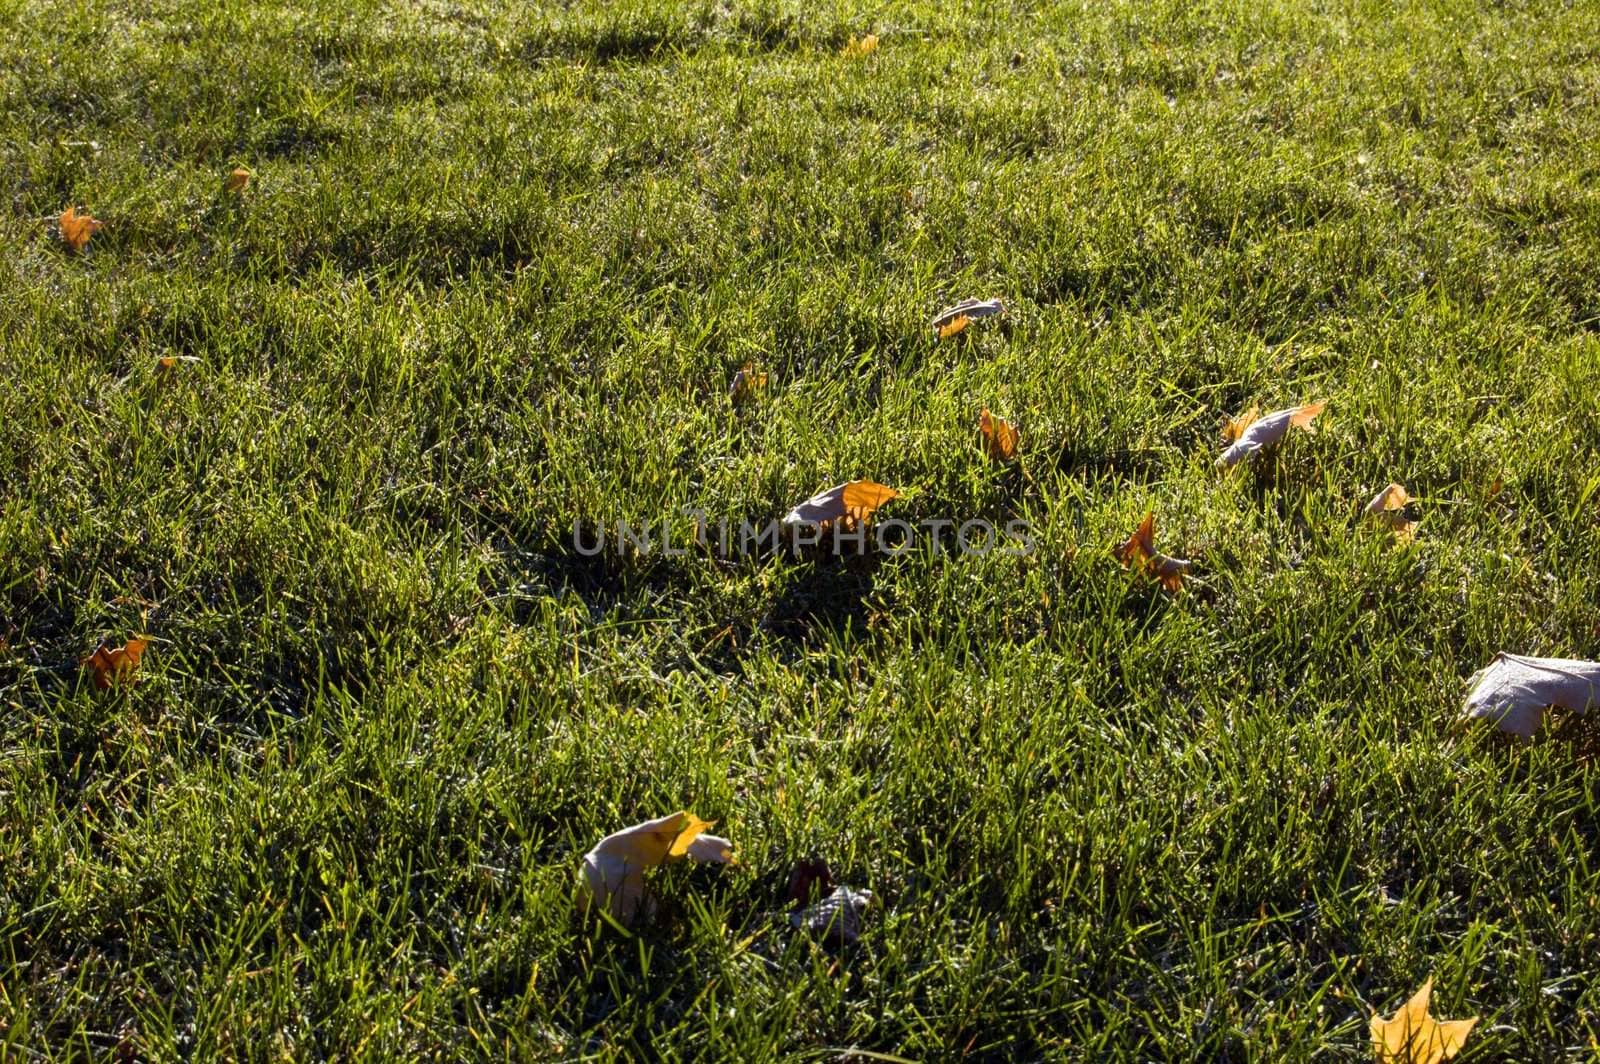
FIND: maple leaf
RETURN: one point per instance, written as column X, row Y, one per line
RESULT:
column 1412, row 1036
column 1260, row 433
column 1514, row 691
column 852, row 502
column 1139, row 552
column 76, row 229
column 238, row 180
column 747, row 383
column 110, row 666
column 1001, row 438
column 954, row 319
column 1387, row 508
column 613, row 872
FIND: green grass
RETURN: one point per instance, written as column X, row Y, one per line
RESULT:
column 494, row 273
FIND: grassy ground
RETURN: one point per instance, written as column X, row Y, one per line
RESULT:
column 492, row 277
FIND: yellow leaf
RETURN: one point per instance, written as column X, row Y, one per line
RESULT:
column 613, row 872
column 858, row 49
column 1412, row 1036
column 953, row 326
column 111, row 666
column 76, row 229
column 238, row 180
column 1000, row 436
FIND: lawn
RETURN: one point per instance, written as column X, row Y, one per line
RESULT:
column 490, row 279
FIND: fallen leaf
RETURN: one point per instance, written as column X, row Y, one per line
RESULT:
column 613, row 872
column 76, row 229
column 1139, row 552
column 1387, row 508
column 1514, row 691
column 836, row 918
column 746, row 384
column 238, row 180
column 1237, row 425
column 1411, row 1036
column 1267, row 431
column 168, row 363
column 810, row 875
column 111, row 666
column 953, row 319
column 858, row 49
column 851, row 502
column 1000, row 436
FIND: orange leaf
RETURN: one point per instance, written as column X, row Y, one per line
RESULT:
column 1000, row 436
column 953, row 319
column 1139, row 552
column 1257, row 434
column 1412, row 1036
column 238, row 180
column 746, row 383
column 853, row 501
column 76, row 229
column 1237, row 425
column 115, row 665
column 1388, row 509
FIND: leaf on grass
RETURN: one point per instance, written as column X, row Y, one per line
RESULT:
column 1411, row 1036
column 1237, row 425
column 1000, row 437
column 953, row 319
column 111, row 666
column 1264, row 432
column 168, row 363
column 835, row 919
column 1139, row 552
column 1388, row 508
column 76, row 229
column 238, row 180
column 1514, row 691
column 852, row 502
column 860, row 49
column 811, row 876
column 613, row 872
column 746, row 384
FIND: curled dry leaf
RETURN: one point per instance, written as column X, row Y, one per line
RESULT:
column 810, row 876
column 1264, row 432
column 76, row 229
column 1411, row 1036
column 1237, row 425
column 859, row 49
column 110, row 666
column 1387, row 508
column 1000, row 437
column 613, row 872
column 1139, row 552
column 747, row 383
column 237, row 181
column 952, row 320
column 852, row 502
column 1514, row 691
column 836, row 918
